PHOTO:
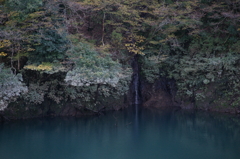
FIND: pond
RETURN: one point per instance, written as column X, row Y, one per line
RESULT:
column 127, row 134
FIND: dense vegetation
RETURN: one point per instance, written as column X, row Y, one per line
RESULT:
column 81, row 50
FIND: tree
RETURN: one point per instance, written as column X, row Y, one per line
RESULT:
column 11, row 86
column 93, row 69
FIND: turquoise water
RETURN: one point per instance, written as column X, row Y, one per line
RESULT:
column 148, row 134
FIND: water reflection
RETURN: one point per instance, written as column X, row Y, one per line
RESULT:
column 125, row 134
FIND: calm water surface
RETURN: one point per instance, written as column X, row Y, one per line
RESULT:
column 148, row 134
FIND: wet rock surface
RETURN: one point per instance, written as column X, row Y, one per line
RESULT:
column 159, row 94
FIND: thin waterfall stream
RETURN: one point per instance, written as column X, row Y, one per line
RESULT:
column 136, row 82
column 136, row 89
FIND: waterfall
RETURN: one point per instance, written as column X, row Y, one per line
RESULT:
column 135, row 82
column 136, row 88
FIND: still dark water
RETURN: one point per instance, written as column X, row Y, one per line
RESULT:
column 148, row 134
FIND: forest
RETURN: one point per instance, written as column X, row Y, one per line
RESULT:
column 80, row 51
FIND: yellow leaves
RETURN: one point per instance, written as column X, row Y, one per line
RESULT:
column 13, row 14
column 132, row 48
column 47, row 67
column 3, row 54
column 133, row 43
column 170, row 36
column 154, row 42
column 30, row 49
column 36, row 14
column 42, row 67
column 130, row 22
column 140, row 39
column 113, row 23
column 163, row 40
column 5, row 43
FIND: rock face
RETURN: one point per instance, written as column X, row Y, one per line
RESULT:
column 20, row 110
column 159, row 99
column 160, row 94
column 163, row 94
